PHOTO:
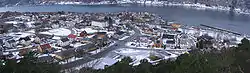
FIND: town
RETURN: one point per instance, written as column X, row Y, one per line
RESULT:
column 77, row 39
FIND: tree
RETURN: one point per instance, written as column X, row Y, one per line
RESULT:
column 144, row 67
column 120, row 67
column 242, row 56
column 29, row 64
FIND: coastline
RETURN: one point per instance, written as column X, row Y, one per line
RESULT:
column 197, row 6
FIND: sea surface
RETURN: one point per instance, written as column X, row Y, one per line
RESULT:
column 189, row 16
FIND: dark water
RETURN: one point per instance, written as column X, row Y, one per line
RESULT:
column 222, row 19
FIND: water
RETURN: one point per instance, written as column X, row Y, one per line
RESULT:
column 226, row 20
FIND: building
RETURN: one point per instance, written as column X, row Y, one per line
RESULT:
column 63, row 42
column 63, row 55
column 72, row 37
column 100, row 39
column 83, row 34
column 44, row 48
column 168, row 40
column 25, row 41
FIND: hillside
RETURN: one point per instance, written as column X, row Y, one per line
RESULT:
column 242, row 4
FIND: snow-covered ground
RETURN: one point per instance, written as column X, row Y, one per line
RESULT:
column 98, row 63
column 70, row 60
column 117, row 55
column 88, row 30
column 20, row 35
column 96, row 51
column 125, row 37
column 58, row 32
column 13, row 22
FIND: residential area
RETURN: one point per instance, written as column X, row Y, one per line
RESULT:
column 76, row 39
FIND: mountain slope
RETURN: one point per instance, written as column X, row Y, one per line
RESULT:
column 242, row 4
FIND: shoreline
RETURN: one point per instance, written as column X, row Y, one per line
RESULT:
column 197, row 6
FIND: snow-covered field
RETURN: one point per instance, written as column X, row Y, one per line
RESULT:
column 117, row 55
column 98, row 63
column 58, row 32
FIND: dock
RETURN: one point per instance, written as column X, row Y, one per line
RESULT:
column 221, row 29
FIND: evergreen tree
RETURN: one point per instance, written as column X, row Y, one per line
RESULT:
column 29, row 64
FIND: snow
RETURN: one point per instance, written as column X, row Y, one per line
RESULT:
column 43, row 55
column 98, row 63
column 11, row 50
column 105, row 61
column 56, row 38
column 96, row 51
column 113, row 43
column 13, row 22
column 138, row 55
column 19, row 35
column 16, row 56
column 90, row 36
column 99, row 24
column 140, row 45
column 31, row 31
column 117, row 55
column 29, row 24
column 69, row 3
column 125, row 37
column 72, row 59
column 58, row 32
column 6, row 53
column 197, row 6
column 88, row 30
column 78, row 44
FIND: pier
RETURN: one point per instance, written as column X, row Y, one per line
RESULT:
column 220, row 29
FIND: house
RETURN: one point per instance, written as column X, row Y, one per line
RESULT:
column 63, row 42
column 72, row 37
column 37, row 40
column 168, row 39
column 48, row 59
column 44, row 48
column 86, row 48
column 175, row 25
column 83, row 23
column 99, row 24
column 25, row 41
column 157, row 44
column 100, row 38
column 63, row 55
column 83, row 34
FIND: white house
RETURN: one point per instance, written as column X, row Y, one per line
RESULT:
column 63, row 42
